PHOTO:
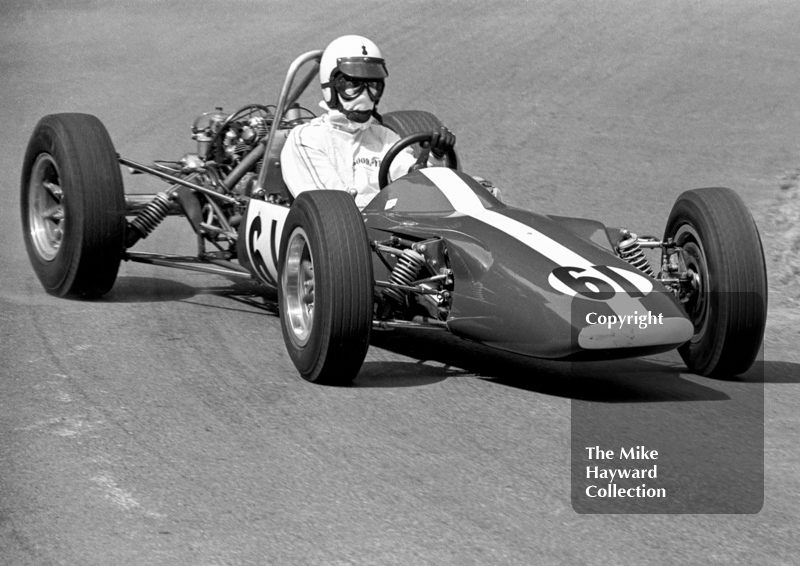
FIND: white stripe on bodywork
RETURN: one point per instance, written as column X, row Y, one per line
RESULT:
column 465, row 201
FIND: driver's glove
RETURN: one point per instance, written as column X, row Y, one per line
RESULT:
column 442, row 141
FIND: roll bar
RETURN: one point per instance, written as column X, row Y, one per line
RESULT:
column 285, row 100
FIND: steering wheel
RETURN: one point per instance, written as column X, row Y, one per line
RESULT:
column 422, row 160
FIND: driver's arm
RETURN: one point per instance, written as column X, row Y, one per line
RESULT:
column 405, row 159
column 402, row 163
column 441, row 142
column 434, row 161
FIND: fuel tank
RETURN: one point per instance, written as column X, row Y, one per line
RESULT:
column 529, row 283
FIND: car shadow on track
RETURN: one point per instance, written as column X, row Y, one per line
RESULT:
column 148, row 290
column 153, row 289
column 768, row 372
column 618, row 381
column 403, row 374
column 247, row 293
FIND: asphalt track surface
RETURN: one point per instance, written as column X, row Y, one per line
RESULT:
column 165, row 424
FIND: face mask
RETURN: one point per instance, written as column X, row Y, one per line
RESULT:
column 359, row 116
column 359, row 108
column 345, row 122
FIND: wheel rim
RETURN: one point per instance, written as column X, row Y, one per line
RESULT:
column 694, row 255
column 46, row 207
column 298, row 287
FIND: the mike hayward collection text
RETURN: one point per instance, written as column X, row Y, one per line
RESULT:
column 614, row 475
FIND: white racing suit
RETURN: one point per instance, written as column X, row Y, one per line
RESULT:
column 331, row 152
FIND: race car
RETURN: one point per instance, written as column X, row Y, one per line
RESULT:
column 434, row 250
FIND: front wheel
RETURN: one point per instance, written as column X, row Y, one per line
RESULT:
column 728, row 303
column 325, row 290
column 73, row 206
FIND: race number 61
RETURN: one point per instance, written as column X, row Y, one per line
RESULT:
column 599, row 282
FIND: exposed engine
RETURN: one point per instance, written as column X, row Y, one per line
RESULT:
column 227, row 163
column 225, row 139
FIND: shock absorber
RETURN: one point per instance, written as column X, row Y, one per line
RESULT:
column 630, row 250
column 405, row 272
column 147, row 219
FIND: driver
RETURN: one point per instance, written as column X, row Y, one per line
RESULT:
column 343, row 148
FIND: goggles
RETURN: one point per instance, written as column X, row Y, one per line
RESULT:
column 350, row 88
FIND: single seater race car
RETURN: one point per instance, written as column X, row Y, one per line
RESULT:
column 434, row 250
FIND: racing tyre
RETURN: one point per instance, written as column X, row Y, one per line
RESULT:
column 325, row 290
column 73, row 206
column 722, row 246
column 407, row 122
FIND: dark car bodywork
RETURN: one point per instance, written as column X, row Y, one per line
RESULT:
column 517, row 273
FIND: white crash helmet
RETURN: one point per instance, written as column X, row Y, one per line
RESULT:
column 351, row 55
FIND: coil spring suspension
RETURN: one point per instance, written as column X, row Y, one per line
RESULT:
column 148, row 218
column 405, row 272
column 630, row 250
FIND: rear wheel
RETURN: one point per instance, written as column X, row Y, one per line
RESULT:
column 73, row 206
column 325, row 289
column 728, row 306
